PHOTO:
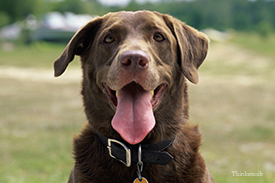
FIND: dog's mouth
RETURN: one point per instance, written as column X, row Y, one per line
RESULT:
column 134, row 106
column 155, row 95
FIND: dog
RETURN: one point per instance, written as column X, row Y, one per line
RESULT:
column 135, row 70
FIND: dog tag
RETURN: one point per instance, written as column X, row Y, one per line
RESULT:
column 142, row 181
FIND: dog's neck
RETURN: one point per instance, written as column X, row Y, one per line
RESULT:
column 128, row 154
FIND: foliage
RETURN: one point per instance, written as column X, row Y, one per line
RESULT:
column 18, row 10
column 257, row 16
column 4, row 18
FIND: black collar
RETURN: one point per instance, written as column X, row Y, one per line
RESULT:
column 151, row 153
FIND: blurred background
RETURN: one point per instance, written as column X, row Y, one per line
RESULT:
column 234, row 103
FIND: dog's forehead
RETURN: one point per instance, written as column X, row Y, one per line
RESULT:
column 133, row 19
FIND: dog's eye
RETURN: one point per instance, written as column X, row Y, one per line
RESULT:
column 158, row 37
column 109, row 39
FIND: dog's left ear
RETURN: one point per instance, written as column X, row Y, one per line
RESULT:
column 192, row 44
column 77, row 45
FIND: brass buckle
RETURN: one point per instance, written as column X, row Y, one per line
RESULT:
column 127, row 151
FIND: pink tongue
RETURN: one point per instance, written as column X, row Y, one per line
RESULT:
column 134, row 117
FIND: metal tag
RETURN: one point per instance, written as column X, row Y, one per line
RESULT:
column 142, row 181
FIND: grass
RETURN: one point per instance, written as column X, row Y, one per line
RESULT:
column 262, row 45
column 38, row 121
column 37, row 55
column 238, row 131
column 233, row 104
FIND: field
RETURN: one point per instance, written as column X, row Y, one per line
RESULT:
column 233, row 104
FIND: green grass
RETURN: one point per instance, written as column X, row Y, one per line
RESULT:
column 261, row 45
column 238, row 132
column 233, row 104
column 37, row 55
column 38, row 121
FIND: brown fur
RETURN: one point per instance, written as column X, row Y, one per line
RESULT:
column 171, row 61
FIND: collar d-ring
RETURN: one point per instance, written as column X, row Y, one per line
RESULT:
column 139, row 163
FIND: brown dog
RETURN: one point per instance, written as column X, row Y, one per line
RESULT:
column 135, row 97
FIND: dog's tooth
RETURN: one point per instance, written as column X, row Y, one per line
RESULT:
column 116, row 93
column 152, row 94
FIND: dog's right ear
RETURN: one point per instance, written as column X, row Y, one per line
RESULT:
column 77, row 45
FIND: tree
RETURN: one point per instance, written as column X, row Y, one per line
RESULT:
column 18, row 9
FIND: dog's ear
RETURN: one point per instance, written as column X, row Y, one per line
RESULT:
column 192, row 45
column 77, row 45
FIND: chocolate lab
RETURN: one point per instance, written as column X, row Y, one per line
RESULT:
column 135, row 66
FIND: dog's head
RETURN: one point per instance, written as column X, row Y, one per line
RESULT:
column 134, row 64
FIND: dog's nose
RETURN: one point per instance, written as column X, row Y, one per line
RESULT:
column 134, row 60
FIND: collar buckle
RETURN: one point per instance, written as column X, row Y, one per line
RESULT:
column 127, row 152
